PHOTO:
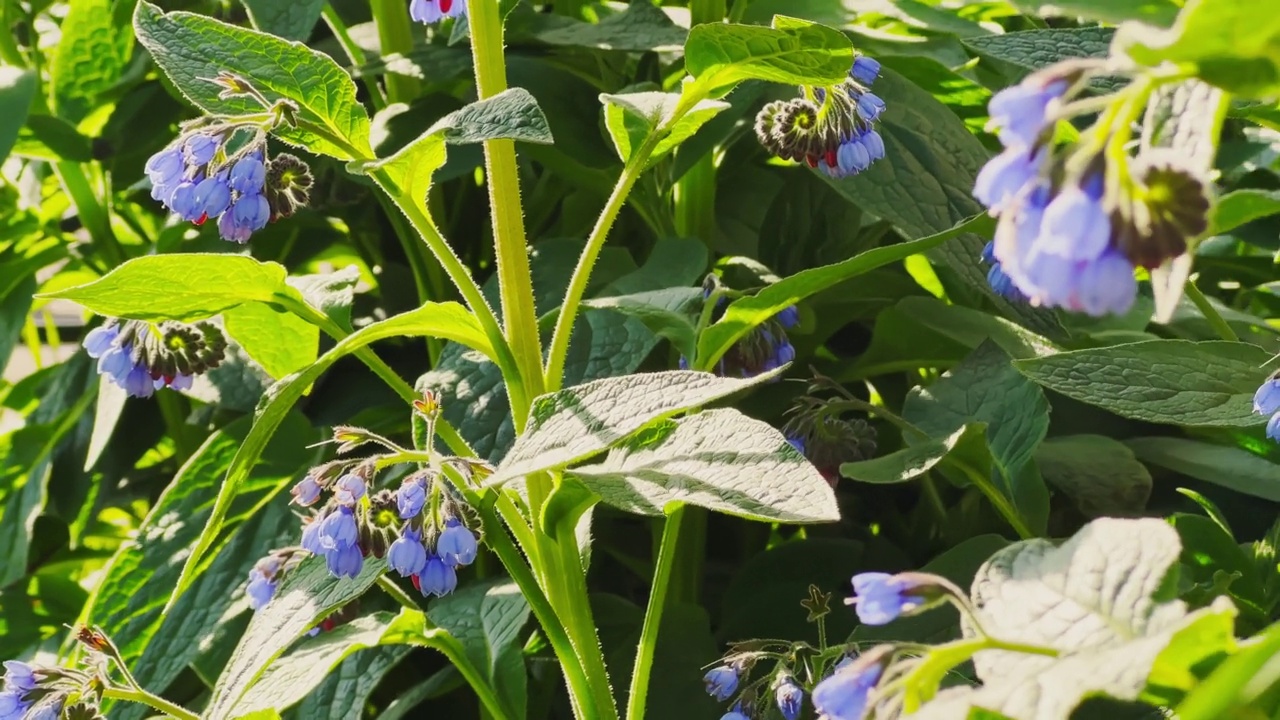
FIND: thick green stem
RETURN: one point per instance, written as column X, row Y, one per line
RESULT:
column 574, row 605
column 155, row 702
column 1216, row 321
column 515, row 281
column 395, row 34
column 354, row 52
column 653, row 615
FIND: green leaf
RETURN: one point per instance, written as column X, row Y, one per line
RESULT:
column 1155, row 12
column 721, row 460
column 90, row 58
column 448, row 321
column 1106, row 586
column 1031, row 50
column 1099, row 474
column 571, row 425
column 512, row 114
column 971, row 327
column 632, row 117
column 486, row 618
column 289, row 20
column 110, row 406
column 1223, row 465
column 307, row 595
column 15, row 306
column 332, row 294
column 192, row 49
column 668, row 313
column 746, row 313
column 640, row 28
column 1232, row 45
column 1242, row 206
column 184, row 286
column 912, row 461
column 128, row 602
column 292, row 677
column 793, row 52
column 347, row 689
column 49, row 137
column 17, row 88
column 279, row 341
column 1226, row 691
column 1176, row 382
column 985, row 388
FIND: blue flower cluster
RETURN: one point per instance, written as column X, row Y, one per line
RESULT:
column 1055, row 244
column 1267, row 402
column 430, row 11
column 831, row 129
column 19, row 681
column 142, row 359
column 429, row 544
column 187, row 178
column 764, row 349
column 119, row 364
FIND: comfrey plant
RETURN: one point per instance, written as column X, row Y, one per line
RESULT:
column 677, row 378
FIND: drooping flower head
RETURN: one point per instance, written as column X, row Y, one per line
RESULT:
column 789, row 696
column 881, row 598
column 721, row 682
column 818, row 429
column 763, row 349
column 829, row 128
column 431, row 11
column 843, row 695
column 1072, row 230
column 142, row 358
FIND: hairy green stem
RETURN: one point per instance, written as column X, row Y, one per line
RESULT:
column 515, row 281
column 653, row 615
column 1216, row 321
column 93, row 214
column 155, row 702
column 575, row 612
column 395, row 34
column 354, row 53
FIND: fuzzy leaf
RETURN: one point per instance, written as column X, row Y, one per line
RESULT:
column 793, row 52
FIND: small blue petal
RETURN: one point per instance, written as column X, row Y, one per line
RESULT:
column 865, row 70
column 345, row 561
column 407, row 555
column 410, row 498
column 456, row 545
column 1273, row 427
column 721, row 682
column 437, row 578
column 1267, row 400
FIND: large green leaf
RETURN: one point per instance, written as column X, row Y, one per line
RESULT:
column 17, row 88
column 1099, row 474
column 793, row 52
column 632, row 117
column 746, row 313
column 289, row 20
column 1030, row 50
column 1176, row 382
column 1232, row 45
column 279, row 341
column 448, row 321
column 640, row 28
column 292, row 677
column 131, row 595
column 486, row 618
column 915, row 460
column 721, row 460
column 90, row 57
column 574, row 424
column 193, row 49
column 307, row 595
column 1155, row 12
column 1223, row 465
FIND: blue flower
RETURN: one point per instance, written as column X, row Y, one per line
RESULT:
column 456, row 545
column 797, row 442
column 882, row 597
column 870, row 106
column 865, row 70
column 790, row 698
column 345, row 561
column 874, row 145
column 19, row 676
column 306, row 492
column 139, row 382
column 1267, row 400
column 788, row 317
column 410, row 498
column 430, row 11
column 248, row 174
column 100, row 339
column 12, row 705
column 182, row 201
column 348, row 490
column 338, row 529
column 1005, row 175
column 1076, row 225
column 407, row 555
column 735, row 714
column 843, row 695
column 211, row 197
column 721, row 682
column 164, row 170
column 260, row 589
column 47, row 709
column 199, row 149
column 1273, row 427
column 248, row 214
column 311, row 541
column 437, row 578
column 1019, row 112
